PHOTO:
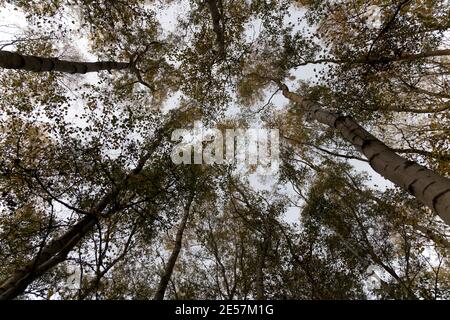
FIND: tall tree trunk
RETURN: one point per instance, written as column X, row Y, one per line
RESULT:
column 259, row 283
column 165, row 278
column 57, row 249
column 52, row 254
column 217, row 26
column 428, row 187
column 14, row 60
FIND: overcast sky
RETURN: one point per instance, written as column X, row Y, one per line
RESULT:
column 13, row 22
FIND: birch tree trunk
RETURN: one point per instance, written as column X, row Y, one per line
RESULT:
column 58, row 248
column 165, row 278
column 14, row 60
column 428, row 187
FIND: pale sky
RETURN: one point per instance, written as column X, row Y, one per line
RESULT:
column 14, row 21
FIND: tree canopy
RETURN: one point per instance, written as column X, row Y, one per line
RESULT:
column 92, row 205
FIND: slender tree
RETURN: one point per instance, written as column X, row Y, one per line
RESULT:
column 14, row 60
column 168, row 270
column 73, row 207
column 428, row 187
column 57, row 249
